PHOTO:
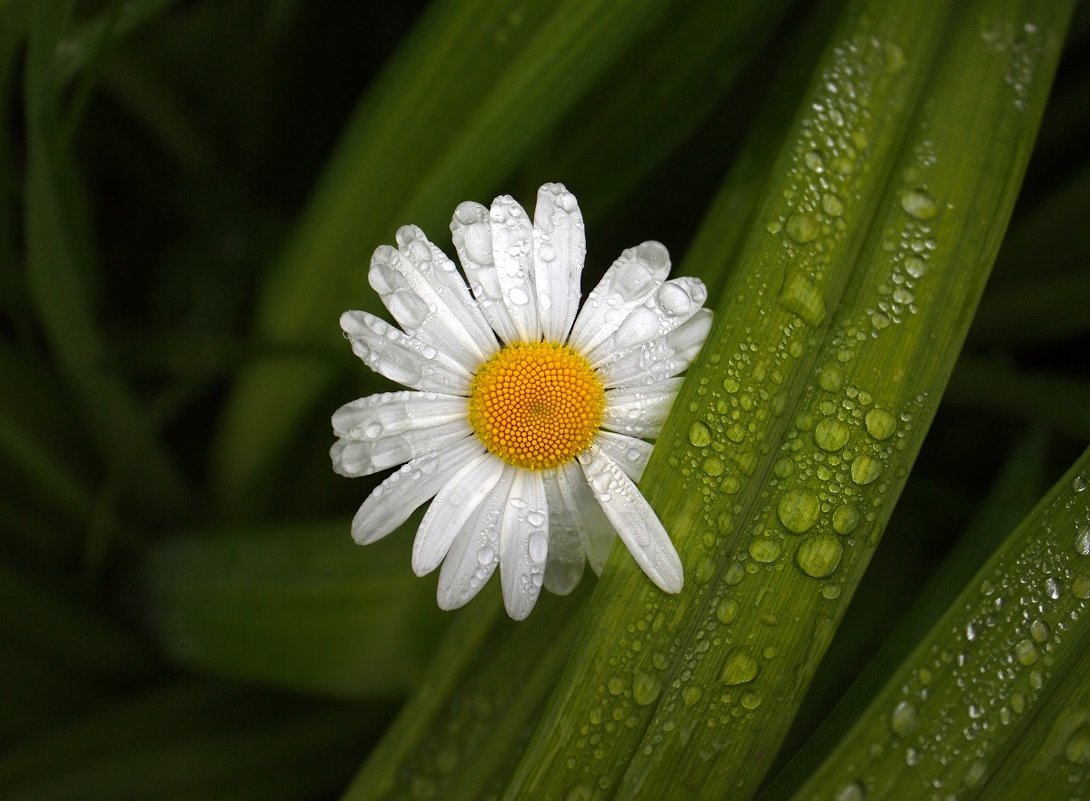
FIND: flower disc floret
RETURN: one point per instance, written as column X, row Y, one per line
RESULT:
column 536, row 405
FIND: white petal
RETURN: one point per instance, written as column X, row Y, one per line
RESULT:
column 421, row 294
column 658, row 359
column 560, row 247
column 630, row 454
column 635, row 520
column 524, row 544
column 640, row 411
column 392, row 502
column 566, row 558
column 475, row 553
column 471, row 230
column 456, row 502
column 671, row 305
column 595, row 530
column 627, row 284
column 356, row 457
column 407, row 360
column 512, row 251
column 393, row 412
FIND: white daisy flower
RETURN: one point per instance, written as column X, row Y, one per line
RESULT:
column 528, row 417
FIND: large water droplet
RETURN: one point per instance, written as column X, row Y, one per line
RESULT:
column 831, row 434
column 1078, row 747
column 765, row 550
column 802, row 228
column 699, row 434
column 1080, row 587
column 800, row 296
column 845, row 519
column 798, row 510
column 1026, row 652
column 903, row 719
column 645, row 688
column 865, row 469
column 1082, row 541
column 852, row 791
column 818, row 556
column 880, row 423
column 740, row 667
column 726, row 610
column 919, row 204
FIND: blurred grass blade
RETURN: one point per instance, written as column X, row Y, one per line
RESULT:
column 87, row 41
column 460, row 736
column 296, row 606
column 59, row 263
column 473, row 88
column 651, row 100
column 192, row 741
column 1055, row 400
column 795, row 429
column 945, row 721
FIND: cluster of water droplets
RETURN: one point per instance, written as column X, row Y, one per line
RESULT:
column 1023, row 46
column 1010, row 633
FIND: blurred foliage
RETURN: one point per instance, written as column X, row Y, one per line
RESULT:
column 190, row 192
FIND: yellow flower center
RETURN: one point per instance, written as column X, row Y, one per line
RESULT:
column 536, row 405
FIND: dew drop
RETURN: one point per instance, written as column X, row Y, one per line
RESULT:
column 726, row 611
column 845, row 519
column 1078, row 483
column 518, row 296
column 1026, row 652
column 903, row 719
column 915, row 266
column 798, row 510
column 832, row 205
column 800, row 296
column 713, row 466
column 1078, row 747
column 830, row 378
column 852, row 791
column 1053, row 588
column 865, row 469
column 880, row 423
column 750, row 700
column 1080, row 587
column 831, row 434
column 699, row 434
column 691, row 694
column 802, row 228
column 765, row 550
column 645, row 688
column 919, row 204
column 818, row 556
column 1082, row 542
column 739, row 668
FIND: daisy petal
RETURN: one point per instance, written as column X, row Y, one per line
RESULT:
column 627, row 284
column 392, row 502
column 595, row 530
column 658, row 359
column 560, row 247
column 407, row 360
column 426, row 308
column 512, row 252
column 672, row 304
column 471, row 228
column 524, row 544
column 640, row 411
column 393, row 412
column 630, row 454
column 566, row 558
column 455, row 504
column 356, row 457
column 635, row 520
column 475, row 553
